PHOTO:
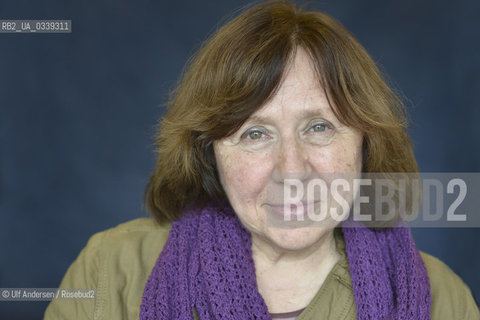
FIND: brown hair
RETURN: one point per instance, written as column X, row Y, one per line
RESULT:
column 237, row 70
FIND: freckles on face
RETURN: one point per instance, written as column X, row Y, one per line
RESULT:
column 342, row 156
column 243, row 175
column 295, row 132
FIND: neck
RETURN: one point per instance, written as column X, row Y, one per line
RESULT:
column 289, row 279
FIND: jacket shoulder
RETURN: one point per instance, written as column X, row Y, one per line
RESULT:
column 451, row 297
column 134, row 231
column 116, row 262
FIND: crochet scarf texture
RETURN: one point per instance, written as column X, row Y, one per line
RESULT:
column 207, row 263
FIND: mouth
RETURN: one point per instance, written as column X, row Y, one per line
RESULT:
column 288, row 211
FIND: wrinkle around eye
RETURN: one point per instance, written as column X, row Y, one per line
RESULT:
column 264, row 140
column 243, row 140
column 231, row 141
column 320, row 137
column 264, row 135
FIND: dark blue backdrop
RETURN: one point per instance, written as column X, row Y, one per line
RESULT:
column 77, row 113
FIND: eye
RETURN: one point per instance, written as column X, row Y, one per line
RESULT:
column 320, row 127
column 254, row 134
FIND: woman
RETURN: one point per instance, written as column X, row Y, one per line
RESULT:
column 278, row 93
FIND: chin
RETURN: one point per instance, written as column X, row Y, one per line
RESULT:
column 299, row 238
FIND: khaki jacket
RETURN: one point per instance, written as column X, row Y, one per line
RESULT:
column 117, row 262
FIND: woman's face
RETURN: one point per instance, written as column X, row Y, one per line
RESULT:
column 294, row 135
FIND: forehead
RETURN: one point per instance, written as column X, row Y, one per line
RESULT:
column 301, row 69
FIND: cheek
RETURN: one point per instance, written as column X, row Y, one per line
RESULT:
column 350, row 159
column 244, row 175
column 340, row 157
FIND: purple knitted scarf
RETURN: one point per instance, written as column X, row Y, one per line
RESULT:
column 207, row 263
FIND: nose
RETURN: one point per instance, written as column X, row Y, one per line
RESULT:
column 292, row 161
